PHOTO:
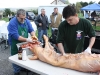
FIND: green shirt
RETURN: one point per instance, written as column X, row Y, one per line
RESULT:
column 72, row 36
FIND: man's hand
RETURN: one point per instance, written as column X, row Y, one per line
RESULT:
column 64, row 54
column 88, row 50
column 34, row 38
column 40, row 24
column 29, row 40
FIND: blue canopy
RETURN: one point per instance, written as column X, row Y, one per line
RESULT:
column 94, row 6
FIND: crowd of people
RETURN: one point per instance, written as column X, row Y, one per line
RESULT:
column 70, row 36
column 90, row 16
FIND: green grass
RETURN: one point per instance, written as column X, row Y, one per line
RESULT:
column 80, row 15
column 97, row 28
column 49, row 32
column 5, row 19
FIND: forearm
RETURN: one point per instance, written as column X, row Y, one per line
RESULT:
column 33, row 33
column 61, row 48
column 91, row 43
column 22, row 39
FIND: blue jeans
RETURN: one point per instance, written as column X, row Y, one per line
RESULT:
column 41, row 33
column 16, row 68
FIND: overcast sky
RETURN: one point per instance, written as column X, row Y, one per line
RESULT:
column 31, row 3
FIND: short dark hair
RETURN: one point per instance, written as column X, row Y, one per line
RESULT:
column 68, row 11
column 55, row 8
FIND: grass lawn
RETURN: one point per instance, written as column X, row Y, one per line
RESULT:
column 97, row 28
column 80, row 15
column 49, row 32
column 5, row 19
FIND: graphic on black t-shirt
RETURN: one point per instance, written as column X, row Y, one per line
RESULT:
column 78, row 35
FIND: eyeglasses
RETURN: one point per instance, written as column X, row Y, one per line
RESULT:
column 22, row 18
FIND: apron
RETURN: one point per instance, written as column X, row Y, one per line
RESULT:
column 23, row 31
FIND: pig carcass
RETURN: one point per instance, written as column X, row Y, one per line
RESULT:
column 81, row 62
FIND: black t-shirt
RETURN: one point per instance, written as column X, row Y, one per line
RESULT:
column 72, row 36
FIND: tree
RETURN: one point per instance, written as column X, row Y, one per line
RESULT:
column 73, row 4
column 99, row 2
column 35, row 12
column 91, row 2
column 83, row 3
column 67, row 2
column 78, row 6
column 13, row 13
column 7, row 12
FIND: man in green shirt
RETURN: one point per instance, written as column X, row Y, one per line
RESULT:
column 72, row 32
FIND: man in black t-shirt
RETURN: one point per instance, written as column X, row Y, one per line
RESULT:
column 71, row 32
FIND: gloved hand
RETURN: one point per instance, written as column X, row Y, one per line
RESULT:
column 34, row 38
column 63, row 54
column 88, row 50
column 29, row 40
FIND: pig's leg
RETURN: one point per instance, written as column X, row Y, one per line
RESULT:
column 33, row 58
column 46, row 42
column 51, row 47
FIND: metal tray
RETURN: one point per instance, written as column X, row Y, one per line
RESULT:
column 27, row 49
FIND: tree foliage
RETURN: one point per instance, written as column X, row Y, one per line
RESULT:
column 7, row 12
column 13, row 13
column 35, row 11
column 99, row 2
column 78, row 6
column 84, row 3
column 67, row 2
column 91, row 2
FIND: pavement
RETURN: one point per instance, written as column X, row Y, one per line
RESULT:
column 6, row 66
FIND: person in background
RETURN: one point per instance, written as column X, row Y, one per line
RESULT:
column 72, row 32
column 42, row 24
column 89, row 14
column 55, row 19
column 86, row 15
column 18, row 29
column 93, row 15
column 10, row 17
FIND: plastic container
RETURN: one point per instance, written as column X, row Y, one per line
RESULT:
column 24, row 55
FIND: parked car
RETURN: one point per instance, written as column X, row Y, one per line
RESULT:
column 11, row 17
column 30, row 15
